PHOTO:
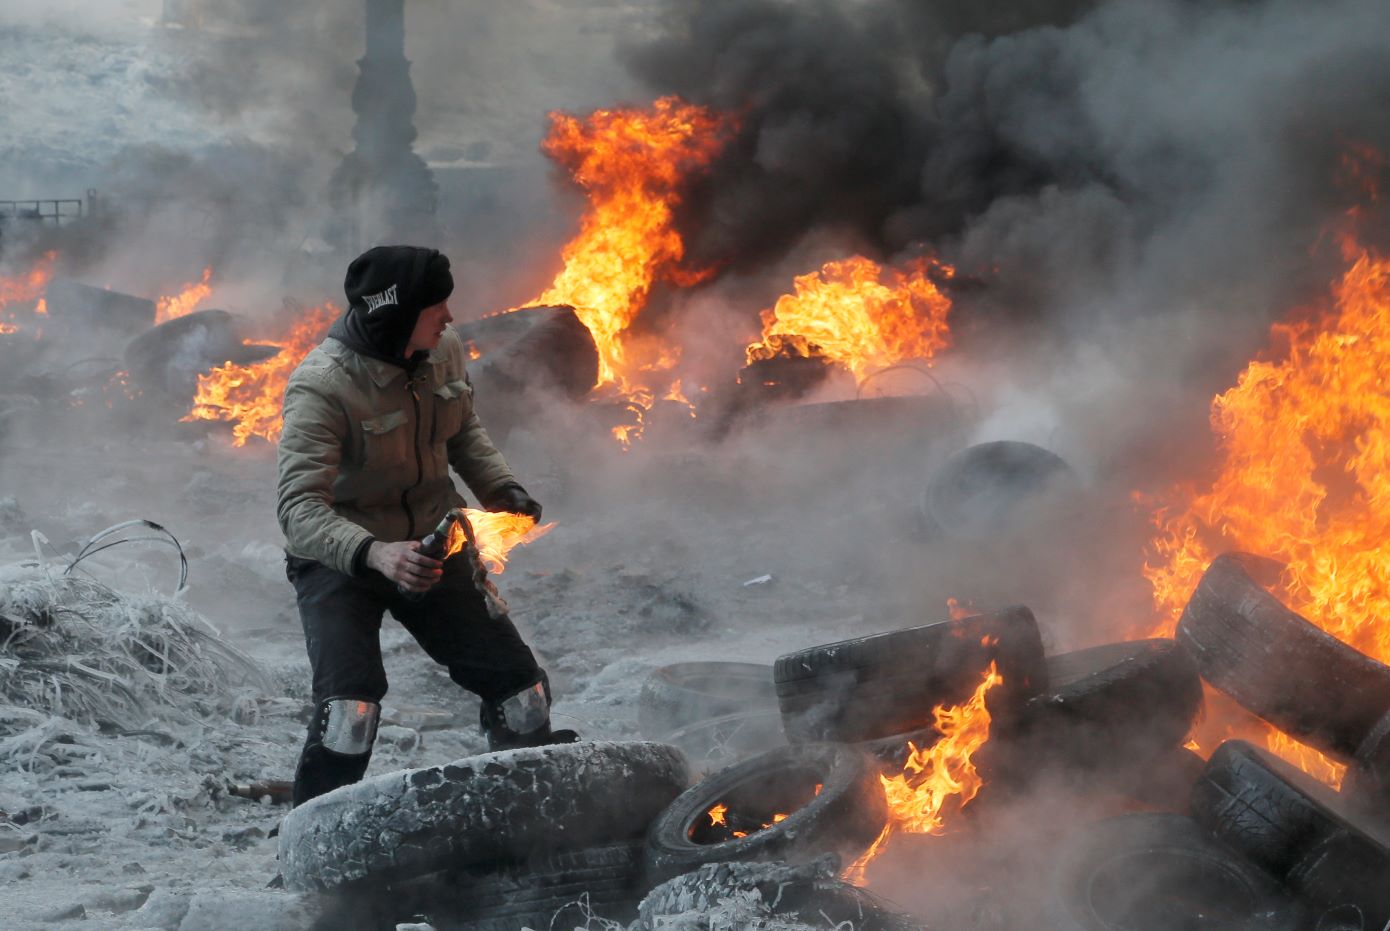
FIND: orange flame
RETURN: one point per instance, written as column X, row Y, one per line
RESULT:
column 1305, row 445
column 497, row 534
column 860, row 315
column 631, row 164
column 717, row 813
column 177, row 305
column 250, row 396
column 27, row 288
column 934, row 775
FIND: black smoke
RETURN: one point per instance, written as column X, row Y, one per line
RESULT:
column 1122, row 156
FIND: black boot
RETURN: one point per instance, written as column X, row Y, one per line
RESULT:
column 523, row 719
column 338, row 747
column 321, row 771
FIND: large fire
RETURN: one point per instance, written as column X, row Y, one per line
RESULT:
column 24, row 293
column 631, row 164
column 862, row 316
column 935, row 775
column 496, row 534
column 250, row 396
column 1304, row 476
column 184, row 302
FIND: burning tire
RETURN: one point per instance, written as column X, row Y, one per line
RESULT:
column 1157, row 872
column 808, row 893
column 728, row 739
column 1296, row 828
column 983, row 489
column 680, row 695
column 1368, row 779
column 791, row 804
column 536, row 348
column 1110, row 706
column 495, row 807
column 1302, row 680
column 555, row 889
column 887, row 684
column 167, row 359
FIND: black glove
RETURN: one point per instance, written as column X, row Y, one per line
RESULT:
column 515, row 499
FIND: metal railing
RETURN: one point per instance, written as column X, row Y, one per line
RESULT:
column 48, row 210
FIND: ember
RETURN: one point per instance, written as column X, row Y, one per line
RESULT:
column 1305, row 442
column 17, row 292
column 859, row 315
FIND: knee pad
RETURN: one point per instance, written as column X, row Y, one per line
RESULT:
column 522, row 712
column 346, row 726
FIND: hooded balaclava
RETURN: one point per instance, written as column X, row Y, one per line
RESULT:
column 387, row 287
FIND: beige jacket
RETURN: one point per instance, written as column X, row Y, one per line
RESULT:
column 366, row 450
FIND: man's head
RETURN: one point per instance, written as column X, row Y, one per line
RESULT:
column 398, row 296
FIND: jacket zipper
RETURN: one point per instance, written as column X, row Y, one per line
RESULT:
column 419, row 463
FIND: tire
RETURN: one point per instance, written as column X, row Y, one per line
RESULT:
column 1109, row 706
column 1295, row 828
column 844, row 816
column 887, row 684
column 1159, row 872
column 1276, row 664
column 495, row 807
column 892, row 752
column 715, row 743
column 808, row 893
column 547, row 347
column 555, row 889
column 1367, row 781
column 985, row 488
column 677, row 696
column 167, row 359
column 529, row 357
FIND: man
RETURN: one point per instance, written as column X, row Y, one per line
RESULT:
column 374, row 417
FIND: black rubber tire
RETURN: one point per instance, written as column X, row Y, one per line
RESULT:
column 807, row 892
column 602, row 881
column 1108, row 706
column 892, row 752
column 167, row 359
column 1295, row 828
column 715, row 743
column 844, row 817
column 1275, row 663
column 1160, row 872
column 682, row 694
column 1367, row 781
column 496, row 807
column 887, row 684
column 983, row 489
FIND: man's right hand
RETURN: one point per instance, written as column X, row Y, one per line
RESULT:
column 403, row 564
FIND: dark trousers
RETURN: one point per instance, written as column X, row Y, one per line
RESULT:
column 342, row 630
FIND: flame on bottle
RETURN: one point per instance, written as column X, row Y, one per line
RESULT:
column 496, row 533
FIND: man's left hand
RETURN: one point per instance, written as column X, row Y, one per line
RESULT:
column 514, row 498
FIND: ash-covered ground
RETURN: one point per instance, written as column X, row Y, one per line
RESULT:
column 1132, row 191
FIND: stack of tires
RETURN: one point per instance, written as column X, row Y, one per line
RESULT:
column 1263, row 844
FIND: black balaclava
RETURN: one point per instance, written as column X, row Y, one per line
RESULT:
column 387, row 287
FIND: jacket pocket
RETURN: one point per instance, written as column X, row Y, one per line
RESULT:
column 453, row 402
column 384, row 441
